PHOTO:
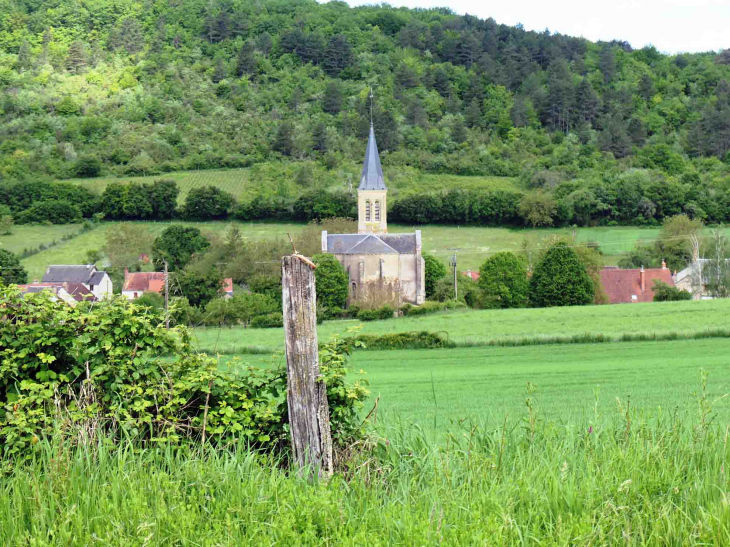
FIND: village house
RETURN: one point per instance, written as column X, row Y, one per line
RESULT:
column 71, row 293
column 700, row 274
column 635, row 285
column 98, row 282
column 138, row 283
column 373, row 258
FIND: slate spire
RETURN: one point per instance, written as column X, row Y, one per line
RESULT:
column 372, row 172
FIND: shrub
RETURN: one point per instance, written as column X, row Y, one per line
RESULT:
column 435, row 270
column 87, row 167
column 53, row 211
column 11, row 271
column 428, row 308
column 401, row 340
column 268, row 321
column 109, row 370
column 207, row 203
column 560, row 279
column 503, row 277
column 666, row 293
column 331, row 281
column 367, row 315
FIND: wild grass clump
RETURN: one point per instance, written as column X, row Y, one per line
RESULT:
column 631, row 478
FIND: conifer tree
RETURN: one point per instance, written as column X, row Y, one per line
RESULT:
column 76, row 58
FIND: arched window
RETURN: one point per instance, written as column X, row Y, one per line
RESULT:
column 368, row 213
column 354, row 290
column 377, row 211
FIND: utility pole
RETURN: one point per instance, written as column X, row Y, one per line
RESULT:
column 454, row 264
column 167, row 296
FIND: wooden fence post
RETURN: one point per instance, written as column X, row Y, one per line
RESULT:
column 309, row 420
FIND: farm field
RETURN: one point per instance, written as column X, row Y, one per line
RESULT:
column 281, row 179
column 475, row 327
column 475, row 243
column 435, row 388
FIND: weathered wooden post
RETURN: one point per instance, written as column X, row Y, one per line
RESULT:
column 309, row 420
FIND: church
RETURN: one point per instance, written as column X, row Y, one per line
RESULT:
column 374, row 257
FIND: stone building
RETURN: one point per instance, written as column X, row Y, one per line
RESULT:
column 374, row 258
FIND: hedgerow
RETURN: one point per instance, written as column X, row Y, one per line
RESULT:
column 112, row 368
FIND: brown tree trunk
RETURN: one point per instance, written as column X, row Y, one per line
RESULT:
column 309, row 421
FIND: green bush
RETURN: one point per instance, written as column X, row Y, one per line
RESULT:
column 401, row 340
column 560, row 279
column 430, row 307
column 55, row 211
column 503, row 278
column 109, row 369
column 11, row 270
column 268, row 321
column 666, row 293
column 435, row 270
column 367, row 315
column 331, row 281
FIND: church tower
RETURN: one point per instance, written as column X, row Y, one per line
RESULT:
column 372, row 211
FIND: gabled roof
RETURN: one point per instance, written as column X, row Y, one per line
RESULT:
column 65, row 273
column 372, row 172
column 96, row 278
column 372, row 245
column 353, row 244
column 144, row 281
column 624, row 286
column 471, row 273
column 76, row 290
column 228, row 285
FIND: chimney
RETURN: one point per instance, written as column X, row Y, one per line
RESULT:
column 664, row 264
column 642, row 280
column 126, row 273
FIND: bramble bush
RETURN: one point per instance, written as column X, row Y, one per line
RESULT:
column 111, row 368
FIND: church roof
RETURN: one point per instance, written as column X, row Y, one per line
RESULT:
column 372, row 172
column 365, row 244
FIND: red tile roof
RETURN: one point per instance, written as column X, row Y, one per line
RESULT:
column 622, row 286
column 144, row 281
column 472, row 274
column 228, row 285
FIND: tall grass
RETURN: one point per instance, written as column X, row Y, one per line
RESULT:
column 629, row 479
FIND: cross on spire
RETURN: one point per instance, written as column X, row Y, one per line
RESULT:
column 371, row 106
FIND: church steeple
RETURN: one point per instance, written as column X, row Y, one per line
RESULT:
column 371, row 194
column 372, row 172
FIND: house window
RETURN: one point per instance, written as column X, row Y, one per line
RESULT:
column 367, row 211
column 135, row 295
column 354, row 290
column 377, row 211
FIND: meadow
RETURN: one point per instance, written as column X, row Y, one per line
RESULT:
column 475, row 243
column 463, row 452
column 281, row 179
column 483, row 327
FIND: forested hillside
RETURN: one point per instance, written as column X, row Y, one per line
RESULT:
column 119, row 87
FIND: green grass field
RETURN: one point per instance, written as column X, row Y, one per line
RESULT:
column 433, row 388
column 476, row 244
column 280, row 178
column 477, row 327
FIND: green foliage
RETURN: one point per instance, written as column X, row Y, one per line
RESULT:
column 560, row 279
column 11, row 271
column 503, row 280
column 87, row 167
column 113, row 369
column 207, row 203
column 400, row 340
column 667, row 293
column 468, row 291
column 268, row 321
column 53, row 211
column 428, row 308
column 435, row 270
column 242, row 308
column 152, row 300
column 178, row 244
column 331, row 281
column 198, row 288
column 6, row 225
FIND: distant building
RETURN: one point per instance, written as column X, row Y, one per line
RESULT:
column 138, row 283
column 470, row 273
column 71, row 293
column 697, row 274
column 633, row 286
column 373, row 258
column 98, row 282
